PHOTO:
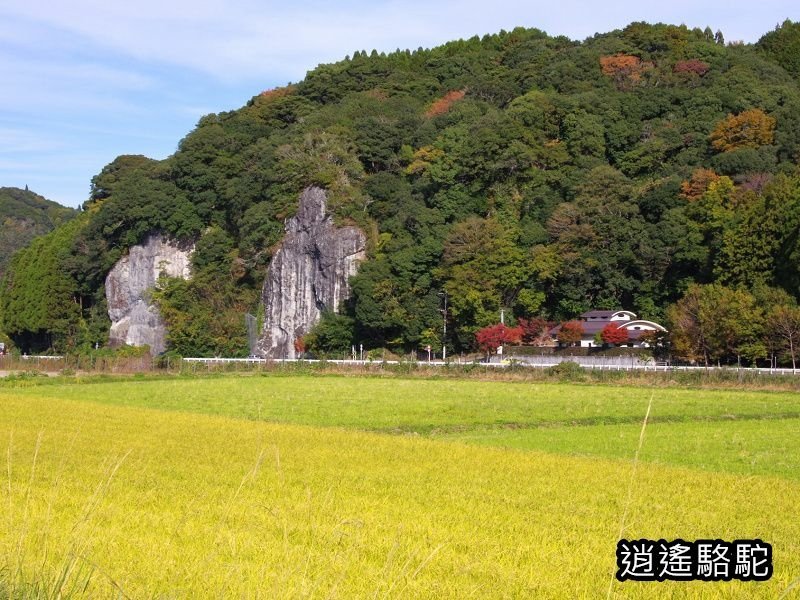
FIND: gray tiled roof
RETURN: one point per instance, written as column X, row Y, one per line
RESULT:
column 598, row 314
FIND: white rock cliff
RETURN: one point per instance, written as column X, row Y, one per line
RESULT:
column 135, row 321
column 307, row 275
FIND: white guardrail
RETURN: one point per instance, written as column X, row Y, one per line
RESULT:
column 495, row 365
column 503, row 364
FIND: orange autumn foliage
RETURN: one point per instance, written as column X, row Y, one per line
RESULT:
column 276, row 93
column 570, row 333
column 698, row 183
column 750, row 129
column 624, row 69
column 443, row 104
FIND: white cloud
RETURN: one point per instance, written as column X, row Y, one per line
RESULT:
column 244, row 39
column 59, row 84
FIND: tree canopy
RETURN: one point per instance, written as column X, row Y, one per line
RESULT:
column 25, row 215
column 517, row 171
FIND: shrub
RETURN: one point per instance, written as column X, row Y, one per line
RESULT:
column 567, row 371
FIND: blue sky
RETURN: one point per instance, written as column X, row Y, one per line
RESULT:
column 86, row 80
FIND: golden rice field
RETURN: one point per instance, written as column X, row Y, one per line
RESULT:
column 337, row 487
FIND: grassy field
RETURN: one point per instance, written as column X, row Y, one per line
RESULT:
column 369, row 487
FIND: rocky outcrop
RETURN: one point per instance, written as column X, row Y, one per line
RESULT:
column 307, row 275
column 134, row 319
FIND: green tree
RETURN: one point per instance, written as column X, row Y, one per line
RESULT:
column 24, row 216
column 549, row 183
column 205, row 315
column 39, row 300
column 783, row 331
column 713, row 323
column 333, row 335
column 783, row 46
column 483, row 271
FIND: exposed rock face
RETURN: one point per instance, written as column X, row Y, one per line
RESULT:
column 308, row 274
column 134, row 320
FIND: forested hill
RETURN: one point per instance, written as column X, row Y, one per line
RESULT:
column 520, row 171
column 23, row 216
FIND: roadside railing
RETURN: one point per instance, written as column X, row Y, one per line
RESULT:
column 134, row 364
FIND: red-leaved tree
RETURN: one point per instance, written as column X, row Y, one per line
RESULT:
column 698, row 67
column 534, row 330
column 492, row 337
column 570, row 333
column 613, row 334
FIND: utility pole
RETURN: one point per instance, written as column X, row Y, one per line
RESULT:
column 502, row 322
column 444, row 327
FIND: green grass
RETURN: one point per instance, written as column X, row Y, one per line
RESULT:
column 424, row 405
column 762, row 447
column 315, row 487
column 719, row 430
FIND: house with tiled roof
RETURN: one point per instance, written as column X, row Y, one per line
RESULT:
column 594, row 321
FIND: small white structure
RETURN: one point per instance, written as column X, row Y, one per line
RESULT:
column 594, row 321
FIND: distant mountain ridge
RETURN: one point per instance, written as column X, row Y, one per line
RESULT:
column 25, row 215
